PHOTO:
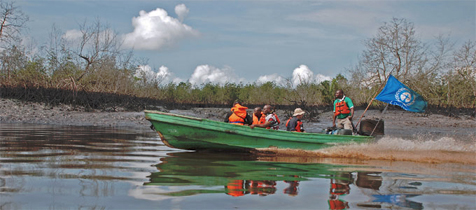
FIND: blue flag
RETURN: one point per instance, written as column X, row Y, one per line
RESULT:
column 398, row 94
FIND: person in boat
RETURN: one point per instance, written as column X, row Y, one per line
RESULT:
column 262, row 188
column 271, row 120
column 258, row 116
column 292, row 189
column 294, row 123
column 343, row 111
column 238, row 115
column 235, row 188
column 276, row 116
column 340, row 186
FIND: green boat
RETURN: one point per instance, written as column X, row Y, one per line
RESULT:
column 191, row 133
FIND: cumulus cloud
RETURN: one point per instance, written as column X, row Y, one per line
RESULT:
column 210, row 74
column 271, row 78
column 304, row 75
column 156, row 29
column 321, row 78
column 182, row 11
column 300, row 75
column 162, row 76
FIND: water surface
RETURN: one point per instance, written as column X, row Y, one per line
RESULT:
column 55, row 167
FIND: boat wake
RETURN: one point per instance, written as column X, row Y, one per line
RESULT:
column 426, row 149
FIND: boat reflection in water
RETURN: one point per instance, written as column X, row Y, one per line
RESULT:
column 239, row 175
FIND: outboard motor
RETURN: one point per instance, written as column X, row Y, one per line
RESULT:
column 368, row 125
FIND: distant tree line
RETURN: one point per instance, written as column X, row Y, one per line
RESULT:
column 96, row 63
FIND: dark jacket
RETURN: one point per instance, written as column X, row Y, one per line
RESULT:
column 294, row 124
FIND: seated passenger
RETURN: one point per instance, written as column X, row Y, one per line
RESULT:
column 258, row 116
column 238, row 115
column 271, row 121
column 294, row 123
column 276, row 116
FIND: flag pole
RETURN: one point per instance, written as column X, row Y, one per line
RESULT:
column 373, row 98
column 385, row 109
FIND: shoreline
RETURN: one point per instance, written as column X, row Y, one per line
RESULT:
column 397, row 122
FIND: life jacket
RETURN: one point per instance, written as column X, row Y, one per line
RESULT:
column 336, row 205
column 261, row 120
column 235, row 188
column 277, row 120
column 298, row 125
column 338, row 189
column 262, row 187
column 239, row 114
column 341, row 108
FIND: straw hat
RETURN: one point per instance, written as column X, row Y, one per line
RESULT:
column 298, row 111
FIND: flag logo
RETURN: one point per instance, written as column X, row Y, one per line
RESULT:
column 404, row 96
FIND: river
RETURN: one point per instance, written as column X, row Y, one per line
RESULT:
column 73, row 167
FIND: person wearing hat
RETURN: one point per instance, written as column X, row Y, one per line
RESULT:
column 294, row 123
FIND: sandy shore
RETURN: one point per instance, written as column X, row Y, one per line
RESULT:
column 397, row 122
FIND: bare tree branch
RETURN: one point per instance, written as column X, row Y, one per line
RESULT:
column 12, row 20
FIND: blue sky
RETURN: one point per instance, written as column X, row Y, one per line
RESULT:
column 248, row 41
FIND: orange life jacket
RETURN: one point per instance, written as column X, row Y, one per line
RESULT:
column 239, row 114
column 336, row 205
column 277, row 119
column 338, row 189
column 341, row 108
column 298, row 125
column 235, row 188
column 261, row 120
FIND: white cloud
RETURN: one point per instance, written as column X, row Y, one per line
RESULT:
column 321, row 78
column 156, row 29
column 205, row 74
column 271, row 78
column 209, row 74
column 145, row 73
column 163, row 76
column 303, row 75
column 182, row 11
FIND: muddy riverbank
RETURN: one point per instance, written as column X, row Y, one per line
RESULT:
column 397, row 122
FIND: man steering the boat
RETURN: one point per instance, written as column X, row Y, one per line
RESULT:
column 271, row 121
column 343, row 111
column 238, row 115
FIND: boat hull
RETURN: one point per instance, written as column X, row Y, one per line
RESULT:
column 192, row 133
